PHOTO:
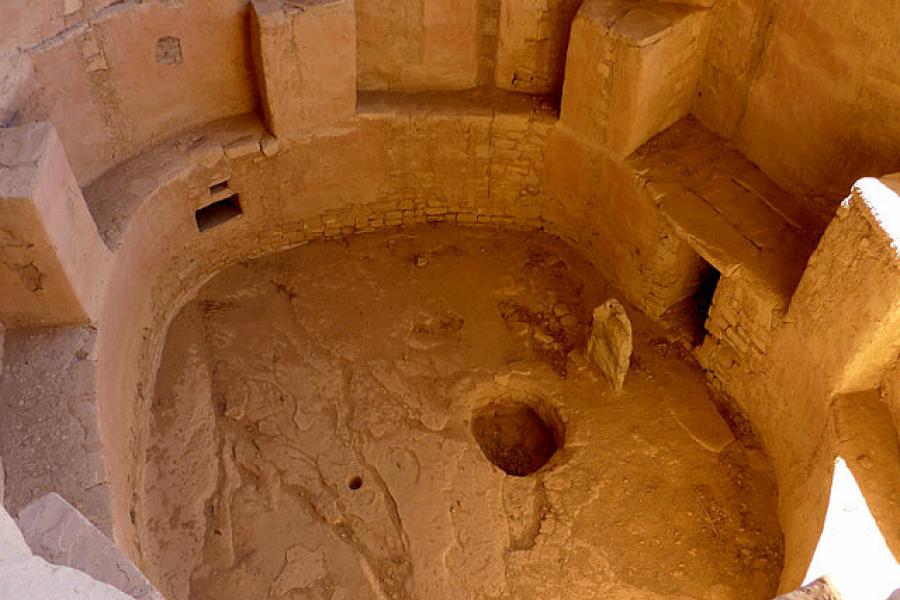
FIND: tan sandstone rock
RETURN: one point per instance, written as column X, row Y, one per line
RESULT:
column 610, row 344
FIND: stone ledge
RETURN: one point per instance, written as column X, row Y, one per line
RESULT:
column 483, row 101
column 725, row 207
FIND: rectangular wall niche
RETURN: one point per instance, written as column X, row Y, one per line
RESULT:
column 218, row 212
column 217, row 189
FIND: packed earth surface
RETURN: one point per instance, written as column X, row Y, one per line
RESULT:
column 409, row 414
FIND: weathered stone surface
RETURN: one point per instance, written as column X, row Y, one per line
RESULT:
column 792, row 84
column 57, row 532
column 270, row 145
column 50, row 430
column 631, row 70
column 420, row 44
column 184, row 431
column 531, row 44
column 700, row 419
column 819, row 589
column 354, row 496
column 242, row 147
column 51, row 259
column 610, row 344
column 89, row 68
column 94, row 73
column 302, row 86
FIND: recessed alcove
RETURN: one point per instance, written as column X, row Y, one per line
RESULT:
column 218, row 212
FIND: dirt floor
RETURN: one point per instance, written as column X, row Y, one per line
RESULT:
column 324, row 417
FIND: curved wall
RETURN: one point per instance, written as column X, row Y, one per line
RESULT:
column 137, row 73
column 404, row 160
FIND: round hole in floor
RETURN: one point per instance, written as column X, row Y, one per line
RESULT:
column 355, row 482
column 516, row 436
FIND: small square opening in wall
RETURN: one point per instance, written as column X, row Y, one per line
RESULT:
column 168, row 51
column 217, row 188
column 218, row 212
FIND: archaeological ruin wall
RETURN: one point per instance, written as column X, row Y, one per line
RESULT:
column 724, row 164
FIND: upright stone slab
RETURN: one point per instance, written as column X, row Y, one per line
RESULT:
column 610, row 344
column 57, row 532
column 52, row 260
column 305, row 54
column 632, row 70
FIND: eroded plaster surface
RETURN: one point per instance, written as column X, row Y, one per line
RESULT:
column 315, row 431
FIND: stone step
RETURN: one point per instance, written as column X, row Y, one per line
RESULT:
column 726, row 209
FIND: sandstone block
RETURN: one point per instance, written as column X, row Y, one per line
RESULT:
column 270, row 146
column 433, row 46
column 51, row 258
column 303, row 86
column 57, row 532
column 631, row 70
column 242, row 147
column 610, row 344
column 531, row 46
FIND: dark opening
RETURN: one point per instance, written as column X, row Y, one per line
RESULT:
column 218, row 213
column 702, row 301
column 168, row 51
column 355, row 482
column 516, row 437
column 218, row 188
column 688, row 317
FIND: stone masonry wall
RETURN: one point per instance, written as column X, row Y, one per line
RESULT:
column 740, row 324
column 383, row 170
